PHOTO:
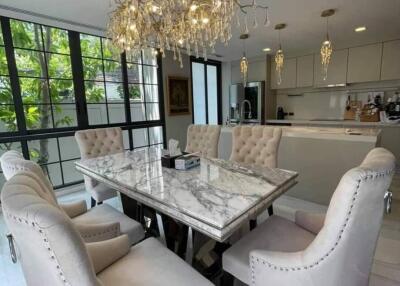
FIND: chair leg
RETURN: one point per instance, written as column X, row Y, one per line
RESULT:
column 253, row 224
column 270, row 210
column 92, row 202
column 227, row 279
column 99, row 203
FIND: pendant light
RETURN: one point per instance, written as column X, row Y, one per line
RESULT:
column 279, row 56
column 326, row 47
column 244, row 63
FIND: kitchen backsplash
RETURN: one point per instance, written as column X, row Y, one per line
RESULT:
column 329, row 103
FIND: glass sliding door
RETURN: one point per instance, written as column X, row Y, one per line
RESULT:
column 206, row 82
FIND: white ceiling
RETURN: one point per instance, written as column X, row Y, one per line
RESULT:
column 303, row 35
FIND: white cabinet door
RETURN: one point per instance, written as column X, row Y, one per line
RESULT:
column 364, row 63
column 391, row 60
column 337, row 70
column 305, row 71
column 288, row 75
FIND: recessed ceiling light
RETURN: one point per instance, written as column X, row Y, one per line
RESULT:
column 360, row 29
column 267, row 49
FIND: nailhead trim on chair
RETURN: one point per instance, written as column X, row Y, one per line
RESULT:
column 46, row 245
column 297, row 268
column 112, row 229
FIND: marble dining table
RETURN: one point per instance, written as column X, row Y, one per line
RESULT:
column 215, row 198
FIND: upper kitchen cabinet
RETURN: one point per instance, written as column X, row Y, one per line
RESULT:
column 288, row 75
column 391, row 60
column 337, row 70
column 305, row 71
column 364, row 63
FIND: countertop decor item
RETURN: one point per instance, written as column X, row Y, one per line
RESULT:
column 196, row 25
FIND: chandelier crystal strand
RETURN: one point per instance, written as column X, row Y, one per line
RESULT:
column 279, row 55
column 170, row 25
column 244, row 63
column 326, row 47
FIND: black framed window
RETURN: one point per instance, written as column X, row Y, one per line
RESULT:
column 54, row 82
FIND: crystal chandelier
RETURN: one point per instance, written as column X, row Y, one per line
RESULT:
column 326, row 48
column 279, row 56
column 193, row 25
column 244, row 63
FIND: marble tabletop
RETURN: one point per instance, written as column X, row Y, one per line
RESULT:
column 214, row 198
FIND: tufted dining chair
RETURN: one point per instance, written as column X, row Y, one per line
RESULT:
column 94, row 224
column 96, row 143
column 256, row 145
column 53, row 253
column 331, row 250
column 203, row 139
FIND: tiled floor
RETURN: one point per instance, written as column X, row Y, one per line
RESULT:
column 385, row 272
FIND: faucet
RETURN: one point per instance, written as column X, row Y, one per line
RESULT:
column 242, row 115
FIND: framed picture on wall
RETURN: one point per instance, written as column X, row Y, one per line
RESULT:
column 178, row 102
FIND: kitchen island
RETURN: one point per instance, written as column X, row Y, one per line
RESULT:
column 321, row 155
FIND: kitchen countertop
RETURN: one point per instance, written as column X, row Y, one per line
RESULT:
column 344, row 123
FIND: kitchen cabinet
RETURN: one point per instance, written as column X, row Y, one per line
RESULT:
column 305, row 71
column 391, row 60
column 288, row 74
column 364, row 63
column 337, row 70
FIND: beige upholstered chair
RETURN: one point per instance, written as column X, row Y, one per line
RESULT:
column 256, row 145
column 96, row 143
column 203, row 139
column 96, row 223
column 313, row 250
column 53, row 253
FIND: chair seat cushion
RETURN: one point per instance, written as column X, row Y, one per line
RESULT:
column 107, row 214
column 275, row 234
column 102, row 192
column 149, row 263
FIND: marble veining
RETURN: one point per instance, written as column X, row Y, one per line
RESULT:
column 216, row 193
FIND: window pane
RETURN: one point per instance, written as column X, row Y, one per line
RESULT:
column 149, row 57
column 30, row 63
column 115, row 92
column 90, row 46
column 94, row 92
column 125, row 138
column 26, row 35
column 68, row 148
column 62, row 91
column 138, row 112
column 3, row 61
column 64, row 115
column 116, row 113
column 150, row 74
column 134, row 73
column 153, row 112
column 54, row 173
column 58, row 40
column 4, row 147
column 43, row 151
column 59, row 66
column 93, row 69
column 212, row 94
column 140, row 137
column 110, row 52
column 156, row 135
column 8, row 119
column 5, row 91
column 97, row 114
column 133, row 58
column 151, row 93
column 34, row 90
column 199, row 93
column 136, row 93
column 38, row 116
column 1, row 36
column 70, row 173
column 112, row 71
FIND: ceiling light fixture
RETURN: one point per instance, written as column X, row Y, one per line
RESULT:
column 360, row 29
column 244, row 63
column 197, row 25
column 266, row 49
column 279, row 56
column 326, row 47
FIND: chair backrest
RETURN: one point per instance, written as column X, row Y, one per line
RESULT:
column 203, row 139
column 13, row 162
column 99, row 142
column 256, row 145
column 51, row 250
column 342, row 252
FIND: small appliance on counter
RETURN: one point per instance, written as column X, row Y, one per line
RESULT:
column 280, row 114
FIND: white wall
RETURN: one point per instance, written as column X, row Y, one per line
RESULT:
column 176, row 125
